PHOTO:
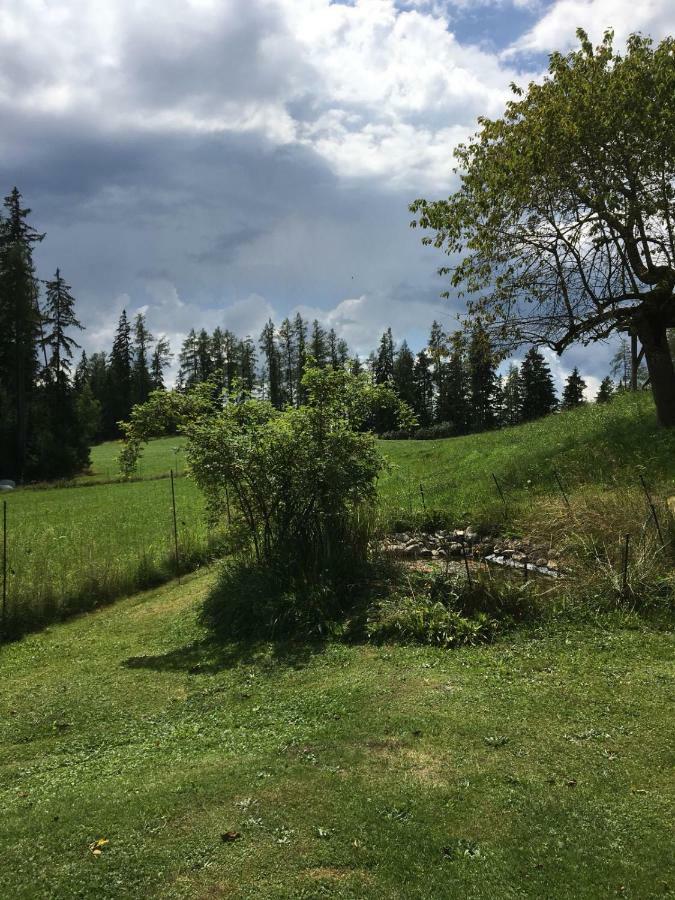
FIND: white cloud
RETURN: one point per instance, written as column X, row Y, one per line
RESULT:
column 556, row 29
column 386, row 92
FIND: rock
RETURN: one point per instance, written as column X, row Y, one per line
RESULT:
column 506, row 553
column 413, row 549
column 518, row 557
column 426, row 554
column 552, row 564
column 541, row 562
column 440, row 554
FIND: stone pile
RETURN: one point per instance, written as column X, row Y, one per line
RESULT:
column 442, row 544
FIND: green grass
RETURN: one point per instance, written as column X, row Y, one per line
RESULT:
column 158, row 458
column 599, row 447
column 535, row 767
column 69, row 549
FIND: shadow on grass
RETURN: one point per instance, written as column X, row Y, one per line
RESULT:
column 210, row 656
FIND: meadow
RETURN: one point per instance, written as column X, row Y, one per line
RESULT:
column 71, row 547
column 139, row 758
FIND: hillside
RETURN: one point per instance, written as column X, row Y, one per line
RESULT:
column 530, row 768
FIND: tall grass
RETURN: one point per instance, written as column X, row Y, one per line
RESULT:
column 69, row 550
column 604, row 446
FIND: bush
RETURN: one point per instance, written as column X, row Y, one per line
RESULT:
column 446, row 611
column 435, row 432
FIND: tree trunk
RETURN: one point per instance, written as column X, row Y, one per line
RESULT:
column 654, row 340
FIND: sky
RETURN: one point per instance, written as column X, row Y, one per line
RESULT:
column 220, row 162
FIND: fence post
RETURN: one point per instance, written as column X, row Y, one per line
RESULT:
column 562, row 489
column 653, row 509
column 501, row 492
column 175, row 525
column 4, row 566
column 624, row 577
column 466, row 564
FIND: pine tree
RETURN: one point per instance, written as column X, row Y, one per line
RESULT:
column 59, row 316
column 141, row 378
column 573, row 392
column 539, row 397
column 438, row 352
column 188, row 358
column 482, row 377
column 300, row 335
column 404, row 374
column 452, row 404
column 205, row 366
column 423, row 404
column 217, row 353
column 289, row 362
column 268, row 345
column 161, row 357
column 119, row 402
column 232, row 352
column 318, row 345
column 20, row 334
column 248, row 358
column 383, row 366
column 81, row 376
column 605, row 391
column 513, row 397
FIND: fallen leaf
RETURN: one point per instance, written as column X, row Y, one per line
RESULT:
column 230, row 836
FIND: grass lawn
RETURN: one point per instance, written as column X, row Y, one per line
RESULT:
column 158, row 458
column 536, row 767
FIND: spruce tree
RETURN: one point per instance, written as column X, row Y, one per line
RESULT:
column 300, row 335
column 247, row 355
column 232, row 352
column 161, row 357
column 423, row 404
column 119, row 402
column 141, row 377
column 452, row 405
column 188, row 358
column 268, row 345
column 59, row 316
column 289, row 362
column 205, row 367
column 539, row 398
column 438, row 352
column 573, row 392
column 482, row 378
column 605, row 391
column 404, row 374
column 318, row 345
column 217, row 353
column 20, row 335
column 512, row 397
column 383, row 365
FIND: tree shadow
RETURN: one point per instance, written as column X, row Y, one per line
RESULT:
column 210, row 656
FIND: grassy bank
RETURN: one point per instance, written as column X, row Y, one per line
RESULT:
column 596, row 450
column 70, row 549
column 535, row 767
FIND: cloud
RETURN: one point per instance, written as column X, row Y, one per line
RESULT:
column 556, row 29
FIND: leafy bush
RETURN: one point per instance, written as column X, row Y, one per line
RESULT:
column 446, row 611
column 435, row 432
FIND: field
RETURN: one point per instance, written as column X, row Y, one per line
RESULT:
column 72, row 547
column 536, row 767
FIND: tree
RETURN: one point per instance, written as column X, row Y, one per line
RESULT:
column 300, row 329
column 141, row 378
column 288, row 353
column 20, row 333
column 59, row 315
column 268, row 345
column 566, row 207
column 539, row 397
column 573, row 392
column 423, row 404
column 453, row 404
column 482, row 380
column 248, row 363
column 404, row 375
column 383, row 366
column 119, row 399
column 318, row 345
column 606, row 390
column 438, row 351
column 512, row 397
column 161, row 357
column 188, row 358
